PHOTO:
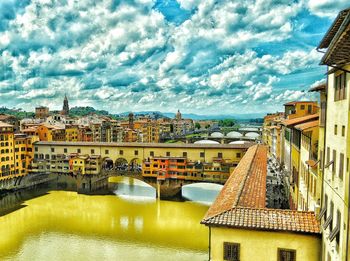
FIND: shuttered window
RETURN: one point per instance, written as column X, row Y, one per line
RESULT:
column 286, row 255
column 341, row 166
column 231, row 251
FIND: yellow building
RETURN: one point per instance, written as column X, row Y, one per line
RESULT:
column 16, row 151
column 309, row 197
column 6, row 149
column 298, row 109
column 242, row 228
column 292, row 143
column 55, row 156
column 71, row 132
column 335, row 213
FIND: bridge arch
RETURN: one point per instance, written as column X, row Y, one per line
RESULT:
column 204, row 192
column 135, row 164
column 234, row 134
column 252, row 134
column 121, row 164
column 107, row 163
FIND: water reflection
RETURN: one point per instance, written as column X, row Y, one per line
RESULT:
column 47, row 224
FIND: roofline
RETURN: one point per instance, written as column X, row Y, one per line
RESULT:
column 145, row 145
column 260, row 229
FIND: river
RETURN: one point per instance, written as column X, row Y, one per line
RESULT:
column 129, row 225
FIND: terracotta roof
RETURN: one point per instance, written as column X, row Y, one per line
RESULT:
column 297, row 102
column 318, row 88
column 4, row 117
column 337, row 41
column 327, row 39
column 300, row 120
column 145, row 145
column 3, row 124
column 266, row 219
column 307, row 125
column 246, row 186
column 241, row 202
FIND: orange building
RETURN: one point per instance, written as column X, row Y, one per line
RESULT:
column 297, row 109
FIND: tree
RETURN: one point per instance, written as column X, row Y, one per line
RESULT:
column 197, row 125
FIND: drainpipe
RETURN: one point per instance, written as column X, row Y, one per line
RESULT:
column 307, row 188
column 209, row 243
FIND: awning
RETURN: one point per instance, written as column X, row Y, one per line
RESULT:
column 322, row 212
column 328, row 221
column 328, row 164
column 335, row 231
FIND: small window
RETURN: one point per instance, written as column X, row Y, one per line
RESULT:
column 220, row 155
column 341, row 166
column 121, row 152
column 335, row 129
column 106, row 151
column 238, row 155
column 231, row 251
column 151, row 153
column 334, row 167
column 184, row 154
column 36, row 148
column 201, row 154
column 286, row 255
column 92, row 151
column 79, row 150
column 65, row 150
column 343, row 131
column 136, row 152
column 168, row 153
column 52, row 149
column 302, row 107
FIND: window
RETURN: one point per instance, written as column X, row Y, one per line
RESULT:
column 36, row 148
column 343, row 131
column 136, row 152
column 220, row 155
column 286, row 254
column 92, row 151
column 231, row 251
column 65, row 150
column 201, row 154
column 168, row 153
column 341, row 166
column 328, row 155
column 151, row 153
column 121, row 152
column 335, row 232
column 309, row 108
column 184, row 154
column 340, row 87
column 238, row 155
column 78, row 150
column 335, row 129
column 52, row 149
column 334, row 161
column 302, row 107
column 106, row 151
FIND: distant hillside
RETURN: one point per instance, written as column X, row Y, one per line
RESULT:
column 18, row 113
column 83, row 111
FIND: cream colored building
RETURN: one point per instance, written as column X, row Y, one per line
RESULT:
column 336, row 186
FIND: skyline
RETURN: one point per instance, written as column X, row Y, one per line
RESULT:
column 142, row 55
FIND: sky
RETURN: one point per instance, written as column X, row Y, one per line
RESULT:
column 199, row 56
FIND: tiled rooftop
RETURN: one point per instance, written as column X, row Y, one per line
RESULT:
column 300, row 120
column 266, row 219
column 297, row 102
column 241, row 202
column 307, row 125
column 246, row 186
column 3, row 124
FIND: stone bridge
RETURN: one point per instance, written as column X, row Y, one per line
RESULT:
column 167, row 188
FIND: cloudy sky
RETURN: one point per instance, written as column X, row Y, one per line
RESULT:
column 201, row 56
